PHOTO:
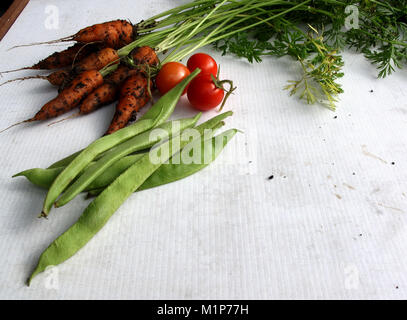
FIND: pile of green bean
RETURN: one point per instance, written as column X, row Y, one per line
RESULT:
column 113, row 167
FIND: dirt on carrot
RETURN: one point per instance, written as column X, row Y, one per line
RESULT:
column 96, row 60
column 65, row 58
column 61, row 59
column 69, row 98
column 56, row 78
column 144, row 56
column 133, row 96
column 114, row 34
column 107, row 92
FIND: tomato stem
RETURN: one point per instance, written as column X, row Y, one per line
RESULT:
column 220, row 84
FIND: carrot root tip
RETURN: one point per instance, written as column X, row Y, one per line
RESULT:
column 65, row 39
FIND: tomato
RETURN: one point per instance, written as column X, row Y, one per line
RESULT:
column 204, row 62
column 203, row 94
column 170, row 75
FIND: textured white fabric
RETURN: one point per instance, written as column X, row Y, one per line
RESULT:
column 330, row 224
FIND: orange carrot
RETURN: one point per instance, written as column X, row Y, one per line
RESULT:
column 135, row 92
column 97, row 60
column 101, row 96
column 114, row 34
column 144, row 56
column 106, row 93
column 61, row 59
column 57, row 78
column 69, row 98
column 120, row 74
column 133, row 96
column 109, row 91
column 65, row 58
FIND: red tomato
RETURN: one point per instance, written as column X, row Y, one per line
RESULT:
column 203, row 93
column 170, row 75
column 204, row 62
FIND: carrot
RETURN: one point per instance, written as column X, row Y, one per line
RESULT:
column 61, row 59
column 56, row 78
column 101, row 96
column 96, row 60
column 133, row 96
column 144, row 56
column 135, row 92
column 104, row 94
column 115, row 34
column 120, row 74
column 108, row 92
column 69, row 98
column 66, row 57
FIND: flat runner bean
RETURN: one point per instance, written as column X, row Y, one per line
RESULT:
column 98, row 185
column 137, row 143
column 40, row 177
column 44, row 177
column 65, row 161
column 170, row 172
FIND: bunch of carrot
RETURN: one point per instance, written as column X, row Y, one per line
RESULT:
column 94, row 72
column 83, row 81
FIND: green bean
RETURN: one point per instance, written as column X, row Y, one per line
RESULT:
column 113, row 172
column 139, row 142
column 44, row 177
column 170, row 172
column 86, row 156
column 157, row 114
column 65, row 161
column 40, row 177
column 102, row 208
column 109, row 175
column 68, row 159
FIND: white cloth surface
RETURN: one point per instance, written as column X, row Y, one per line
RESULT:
column 331, row 224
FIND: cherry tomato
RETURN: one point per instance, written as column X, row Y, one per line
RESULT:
column 170, row 75
column 204, row 62
column 203, row 94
